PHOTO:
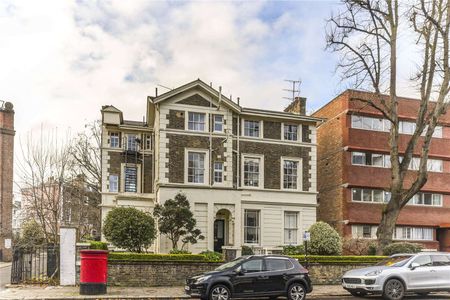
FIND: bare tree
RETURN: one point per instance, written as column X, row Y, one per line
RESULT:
column 366, row 35
column 84, row 193
column 43, row 171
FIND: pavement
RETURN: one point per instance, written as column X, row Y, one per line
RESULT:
column 28, row 292
column 5, row 274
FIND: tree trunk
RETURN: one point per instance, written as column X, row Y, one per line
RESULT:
column 386, row 228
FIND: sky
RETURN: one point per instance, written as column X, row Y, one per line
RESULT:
column 60, row 61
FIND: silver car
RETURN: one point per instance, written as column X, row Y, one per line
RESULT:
column 419, row 273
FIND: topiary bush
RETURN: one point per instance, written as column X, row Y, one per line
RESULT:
column 129, row 228
column 324, row 240
column 95, row 245
column 212, row 256
column 293, row 250
column 402, row 247
column 246, row 250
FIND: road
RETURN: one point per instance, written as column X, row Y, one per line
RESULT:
column 5, row 274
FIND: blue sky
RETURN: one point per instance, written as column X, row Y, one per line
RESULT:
column 62, row 60
column 66, row 59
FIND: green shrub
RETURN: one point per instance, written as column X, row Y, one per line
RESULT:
column 324, row 240
column 98, row 245
column 246, row 250
column 401, row 247
column 179, row 251
column 212, row 256
column 329, row 259
column 129, row 228
column 294, row 250
column 130, row 256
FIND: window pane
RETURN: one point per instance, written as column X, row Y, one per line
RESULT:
column 437, row 132
column 387, row 125
column 196, row 121
column 252, row 266
column 218, row 123
column 218, row 172
column 114, row 140
column 251, row 171
column 196, row 167
column 367, row 195
column 427, row 199
column 290, row 169
column 251, row 128
column 276, row 264
column 130, row 179
column 113, row 183
column 378, row 196
column 377, row 124
column 377, row 160
column 131, row 142
column 356, row 121
column 290, row 132
column 358, row 158
column 356, row 194
column 251, row 226
column 437, row 199
column 367, row 123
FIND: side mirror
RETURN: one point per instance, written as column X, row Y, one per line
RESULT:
column 239, row 271
column 414, row 265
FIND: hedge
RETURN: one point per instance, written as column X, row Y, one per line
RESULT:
column 340, row 259
column 98, row 245
column 128, row 256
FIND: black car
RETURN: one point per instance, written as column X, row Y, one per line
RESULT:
column 252, row 276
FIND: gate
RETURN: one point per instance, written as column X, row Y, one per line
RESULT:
column 38, row 264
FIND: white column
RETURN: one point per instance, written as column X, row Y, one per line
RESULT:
column 67, row 255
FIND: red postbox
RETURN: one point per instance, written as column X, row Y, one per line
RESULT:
column 93, row 272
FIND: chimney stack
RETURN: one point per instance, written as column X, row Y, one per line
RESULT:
column 298, row 106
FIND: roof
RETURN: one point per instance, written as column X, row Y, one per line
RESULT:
column 232, row 105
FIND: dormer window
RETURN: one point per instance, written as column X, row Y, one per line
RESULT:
column 196, row 121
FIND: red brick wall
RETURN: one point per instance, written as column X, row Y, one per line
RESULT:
column 6, row 176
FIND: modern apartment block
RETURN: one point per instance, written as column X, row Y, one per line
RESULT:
column 354, row 172
column 249, row 174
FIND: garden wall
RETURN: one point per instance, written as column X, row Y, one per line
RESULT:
column 159, row 273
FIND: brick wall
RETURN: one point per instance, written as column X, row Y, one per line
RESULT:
column 144, row 274
column 147, row 274
column 6, row 176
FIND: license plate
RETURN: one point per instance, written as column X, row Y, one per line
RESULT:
column 187, row 288
column 351, row 286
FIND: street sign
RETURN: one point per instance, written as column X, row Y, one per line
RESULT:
column 306, row 236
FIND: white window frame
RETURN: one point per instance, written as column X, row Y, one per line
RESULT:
column 258, row 227
column 186, row 121
column 299, row 173
column 217, row 170
column 115, row 182
column 221, row 123
column 296, row 235
column 147, row 142
column 115, row 136
column 206, row 166
column 261, row 170
column 299, row 132
column 261, row 129
column 421, row 197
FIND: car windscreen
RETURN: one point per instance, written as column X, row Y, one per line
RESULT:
column 230, row 264
column 395, row 261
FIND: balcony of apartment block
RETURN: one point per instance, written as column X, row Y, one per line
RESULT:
column 379, row 141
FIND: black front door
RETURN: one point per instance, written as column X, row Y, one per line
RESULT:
column 219, row 235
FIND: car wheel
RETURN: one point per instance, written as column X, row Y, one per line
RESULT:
column 393, row 290
column 219, row 292
column 358, row 294
column 296, row 291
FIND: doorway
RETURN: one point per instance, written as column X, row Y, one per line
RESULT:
column 219, row 234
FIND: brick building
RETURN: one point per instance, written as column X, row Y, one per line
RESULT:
column 354, row 172
column 249, row 174
column 6, row 178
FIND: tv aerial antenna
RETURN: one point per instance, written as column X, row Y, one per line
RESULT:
column 295, row 88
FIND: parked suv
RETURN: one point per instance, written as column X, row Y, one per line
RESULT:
column 419, row 273
column 252, row 276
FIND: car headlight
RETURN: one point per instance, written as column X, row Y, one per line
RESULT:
column 374, row 273
column 203, row 278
